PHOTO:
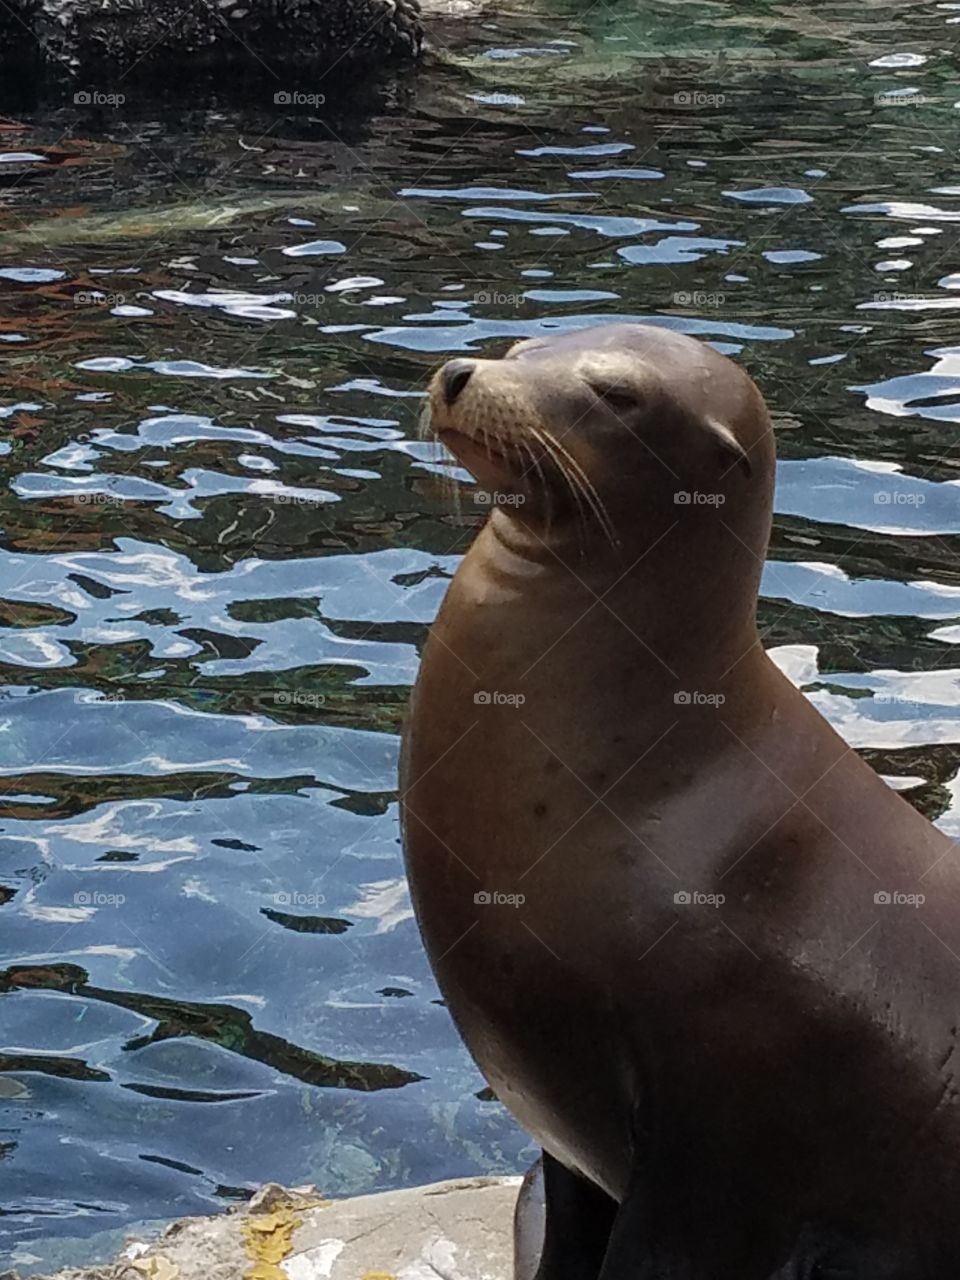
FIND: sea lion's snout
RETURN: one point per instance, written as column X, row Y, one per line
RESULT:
column 488, row 420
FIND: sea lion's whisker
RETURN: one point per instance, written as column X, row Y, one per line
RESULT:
column 577, row 489
column 571, row 469
column 450, row 488
column 485, row 437
column 565, row 461
column 424, row 421
column 596, row 502
column 456, row 493
column 524, row 446
column 571, row 482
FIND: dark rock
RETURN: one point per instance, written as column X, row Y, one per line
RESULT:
column 112, row 46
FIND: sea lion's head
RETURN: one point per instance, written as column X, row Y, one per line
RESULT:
column 610, row 433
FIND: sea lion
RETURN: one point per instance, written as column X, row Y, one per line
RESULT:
column 697, row 946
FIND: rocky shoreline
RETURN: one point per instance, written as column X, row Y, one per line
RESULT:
column 462, row 1228
column 99, row 45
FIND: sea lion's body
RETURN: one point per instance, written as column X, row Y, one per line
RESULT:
column 754, row 1084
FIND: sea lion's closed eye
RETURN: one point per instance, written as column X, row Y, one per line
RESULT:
column 618, row 395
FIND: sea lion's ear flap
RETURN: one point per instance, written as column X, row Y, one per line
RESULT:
column 730, row 446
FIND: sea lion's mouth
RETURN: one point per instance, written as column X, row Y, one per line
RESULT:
column 493, row 465
column 534, row 470
column 459, row 442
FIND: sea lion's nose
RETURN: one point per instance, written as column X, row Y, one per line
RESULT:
column 454, row 376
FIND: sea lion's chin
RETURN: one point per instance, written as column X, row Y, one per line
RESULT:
column 492, row 468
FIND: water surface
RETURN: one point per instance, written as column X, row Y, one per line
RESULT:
column 222, row 540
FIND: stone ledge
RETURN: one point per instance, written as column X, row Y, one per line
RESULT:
column 461, row 1228
column 94, row 44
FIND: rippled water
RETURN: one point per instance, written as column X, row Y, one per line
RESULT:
column 222, row 540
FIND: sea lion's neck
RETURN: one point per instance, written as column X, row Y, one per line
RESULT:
column 660, row 592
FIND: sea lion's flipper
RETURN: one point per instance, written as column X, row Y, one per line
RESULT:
column 676, row 1237
column 832, row 1255
column 635, row 1253
column 562, row 1225
column 529, row 1223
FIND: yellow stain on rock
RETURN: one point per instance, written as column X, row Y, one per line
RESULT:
column 268, row 1239
column 379, row 1275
